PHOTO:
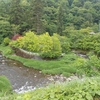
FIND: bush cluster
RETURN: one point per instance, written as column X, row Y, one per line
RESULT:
column 90, row 43
column 6, row 41
column 75, row 36
column 48, row 46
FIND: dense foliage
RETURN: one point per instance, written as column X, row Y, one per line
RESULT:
column 84, row 89
column 50, row 46
column 90, row 43
column 77, row 24
column 5, row 30
column 47, row 46
column 49, row 16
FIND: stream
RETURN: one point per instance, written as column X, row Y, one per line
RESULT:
column 22, row 78
column 25, row 79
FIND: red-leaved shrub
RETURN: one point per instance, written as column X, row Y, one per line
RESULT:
column 16, row 36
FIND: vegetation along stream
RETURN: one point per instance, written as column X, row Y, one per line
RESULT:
column 21, row 77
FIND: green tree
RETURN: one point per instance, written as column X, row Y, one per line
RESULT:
column 37, row 13
column 50, row 46
column 15, row 12
column 70, row 2
column 96, row 6
column 82, row 2
column 2, row 8
column 60, row 20
column 5, row 29
column 99, row 25
column 51, row 15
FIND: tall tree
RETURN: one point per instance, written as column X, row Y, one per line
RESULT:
column 99, row 25
column 70, row 2
column 82, row 2
column 15, row 12
column 60, row 20
column 37, row 13
column 50, row 15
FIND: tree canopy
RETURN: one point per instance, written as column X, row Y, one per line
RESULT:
column 50, row 15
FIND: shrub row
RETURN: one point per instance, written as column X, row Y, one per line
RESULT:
column 47, row 46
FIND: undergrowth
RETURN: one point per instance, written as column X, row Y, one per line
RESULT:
column 81, row 89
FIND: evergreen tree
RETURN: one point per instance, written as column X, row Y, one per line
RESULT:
column 70, row 2
column 99, row 25
column 15, row 12
column 2, row 8
column 37, row 13
column 60, row 20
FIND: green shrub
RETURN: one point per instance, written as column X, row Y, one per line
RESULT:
column 87, row 43
column 6, row 50
column 86, row 89
column 80, row 89
column 75, row 37
column 5, row 86
column 14, row 44
column 86, row 30
column 9, row 52
column 5, row 29
column 31, row 42
column 91, row 66
column 65, row 43
column 6, row 41
column 91, row 43
column 50, row 46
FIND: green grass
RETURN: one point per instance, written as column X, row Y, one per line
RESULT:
column 63, row 65
column 70, row 63
column 5, row 86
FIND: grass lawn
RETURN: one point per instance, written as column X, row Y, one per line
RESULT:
column 69, row 64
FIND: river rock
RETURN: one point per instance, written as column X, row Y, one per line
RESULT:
column 0, row 56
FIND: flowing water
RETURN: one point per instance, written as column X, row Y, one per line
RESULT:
column 81, row 53
column 21, row 77
column 26, row 79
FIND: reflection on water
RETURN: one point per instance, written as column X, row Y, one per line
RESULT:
column 21, row 78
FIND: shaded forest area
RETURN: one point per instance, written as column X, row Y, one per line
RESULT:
column 53, row 16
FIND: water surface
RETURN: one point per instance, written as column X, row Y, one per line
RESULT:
column 21, row 77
